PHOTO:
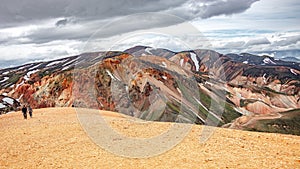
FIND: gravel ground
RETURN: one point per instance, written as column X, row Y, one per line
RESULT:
column 54, row 138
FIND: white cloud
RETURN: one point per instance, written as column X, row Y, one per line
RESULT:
column 28, row 52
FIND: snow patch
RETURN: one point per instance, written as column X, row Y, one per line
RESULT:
column 5, row 73
column 55, row 62
column 181, row 62
column 27, row 76
column 292, row 71
column 65, row 68
column 268, row 61
column 148, row 50
column 195, row 60
column 35, row 66
column 2, row 106
column 78, row 63
column 164, row 64
column 5, row 78
column 264, row 78
column 74, row 60
column 20, row 98
column 246, row 62
column 267, row 54
column 239, row 95
column 22, row 67
column 20, row 84
column 8, row 100
column 111, row 75
column 4, row 94
column 208, row 83
column 164, row 77
column 205, row 109
column 242, row 111
column 179, row 91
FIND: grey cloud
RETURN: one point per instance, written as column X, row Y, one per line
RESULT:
column 15, row 11
column 235, row 45
column 243, row 45
column 78, row 20
column 93, row 14
column 100, row 29
column 18, row 11
column 208, row 8
column 82, row 18
column 288, row 41
column 61, row 22
column 259, row 41
column 227, row 7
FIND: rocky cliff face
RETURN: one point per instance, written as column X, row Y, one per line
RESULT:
column 200, row 86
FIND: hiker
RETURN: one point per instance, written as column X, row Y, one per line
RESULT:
column 24, row 111
column 30, row 111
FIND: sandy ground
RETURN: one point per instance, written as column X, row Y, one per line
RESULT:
column 54, row 138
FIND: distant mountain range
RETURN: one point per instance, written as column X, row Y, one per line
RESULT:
column 241, row 91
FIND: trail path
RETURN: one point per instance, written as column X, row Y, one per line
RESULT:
column 54, row 138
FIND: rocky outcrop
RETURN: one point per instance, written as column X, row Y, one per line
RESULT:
column 8, row 104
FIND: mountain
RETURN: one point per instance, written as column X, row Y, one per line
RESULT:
column 145, row 50
column 264, row 60
column 199, row 86
column 291, row 59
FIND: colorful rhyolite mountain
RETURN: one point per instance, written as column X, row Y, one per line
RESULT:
column 242, row 91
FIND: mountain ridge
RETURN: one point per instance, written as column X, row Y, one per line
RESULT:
column 161, row 85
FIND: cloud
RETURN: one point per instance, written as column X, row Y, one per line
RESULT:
column 288, row 41
column 12, row 55
column 78, row 20
column 48, row 20
column 235, row 45
column 61, row 22
column 14, row 12
column 169, row 37
column 83, row 30
column 258, row 41
column 252, row 41
column 226, row 7
column 59, row 27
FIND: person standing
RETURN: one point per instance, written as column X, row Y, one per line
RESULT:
column 24, row 111
column 30, row 111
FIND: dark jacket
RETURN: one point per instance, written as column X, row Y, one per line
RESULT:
column 24, row 109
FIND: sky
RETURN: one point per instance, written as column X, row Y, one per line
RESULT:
column 39, row 30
